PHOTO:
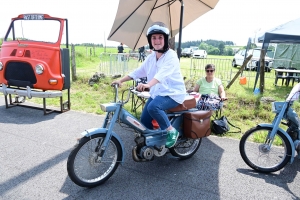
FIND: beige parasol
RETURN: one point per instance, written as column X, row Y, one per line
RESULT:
column 134, row 17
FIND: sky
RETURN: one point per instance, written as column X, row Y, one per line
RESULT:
column 90, row 21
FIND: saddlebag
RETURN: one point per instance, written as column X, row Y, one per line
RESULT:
column 197, row 124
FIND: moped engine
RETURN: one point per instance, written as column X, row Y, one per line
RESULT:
column 293, row 132
column 160, row 152
column 147, row 153
column 142, row 153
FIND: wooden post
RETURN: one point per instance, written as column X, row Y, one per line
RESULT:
column 172, row 43
column 262, row 71
column 239, row 72
column 94, row 50
column 90, row 53
column 73, row 63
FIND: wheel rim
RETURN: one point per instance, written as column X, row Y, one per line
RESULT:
column 86, row 166
column 264, row 155
column 187, row 147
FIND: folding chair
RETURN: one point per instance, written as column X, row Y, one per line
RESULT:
column 138, row 98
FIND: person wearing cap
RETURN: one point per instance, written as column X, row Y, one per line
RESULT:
column 165, row 81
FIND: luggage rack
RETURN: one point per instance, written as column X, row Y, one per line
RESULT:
column 21, row 95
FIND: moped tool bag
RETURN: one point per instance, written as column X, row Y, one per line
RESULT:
column 197, row 124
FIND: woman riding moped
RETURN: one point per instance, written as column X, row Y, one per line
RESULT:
column 165, row 81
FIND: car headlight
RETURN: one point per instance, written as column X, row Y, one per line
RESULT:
column 39, row 69
column 1, row 66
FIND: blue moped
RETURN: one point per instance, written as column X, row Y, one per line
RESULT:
column 267, row 147
column 100, row 151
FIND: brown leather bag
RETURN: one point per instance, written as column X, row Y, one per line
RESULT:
column 189, row 102
column 197, row 124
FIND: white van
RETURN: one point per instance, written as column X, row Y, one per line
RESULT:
column 200, row 54
column 238, row 59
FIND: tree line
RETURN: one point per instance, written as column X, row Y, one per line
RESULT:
column 212, row 47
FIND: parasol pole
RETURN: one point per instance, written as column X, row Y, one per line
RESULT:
column 180, row 30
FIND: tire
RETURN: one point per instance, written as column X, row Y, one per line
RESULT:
column 264, row 160
column 185, row 148
column 233, row 63
column 82, row 168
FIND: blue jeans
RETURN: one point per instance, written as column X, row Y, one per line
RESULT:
column 155, row 109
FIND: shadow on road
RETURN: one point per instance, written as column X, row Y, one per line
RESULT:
column 23, row 115
column 163, row 178
column 281, row 178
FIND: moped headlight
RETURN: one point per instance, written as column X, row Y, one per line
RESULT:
column 277, row 106
column 273, row 107
column 39, row 69
column 1, row 66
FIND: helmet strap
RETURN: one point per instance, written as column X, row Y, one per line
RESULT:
column 161, row 51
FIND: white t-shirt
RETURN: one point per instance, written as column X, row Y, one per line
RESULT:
column 167, row 71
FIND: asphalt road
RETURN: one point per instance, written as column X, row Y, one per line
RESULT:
column 34, row 150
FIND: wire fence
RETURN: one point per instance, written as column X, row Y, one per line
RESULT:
column 112, row 64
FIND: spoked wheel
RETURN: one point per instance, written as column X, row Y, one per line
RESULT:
column 185, row 147
column 86, row 168
column 264, row 156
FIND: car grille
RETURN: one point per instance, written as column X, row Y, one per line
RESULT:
column 20, row 74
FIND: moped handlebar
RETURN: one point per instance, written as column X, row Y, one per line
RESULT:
column 116, row 97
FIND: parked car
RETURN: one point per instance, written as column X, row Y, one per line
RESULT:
column 253, row 63
column 187, row 52
column 199, row 54
column 194, row 48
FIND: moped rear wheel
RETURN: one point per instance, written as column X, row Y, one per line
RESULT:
column 261, row 156
column 84, row 166
column 185, row 148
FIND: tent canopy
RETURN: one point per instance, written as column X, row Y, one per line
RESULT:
column 288, row 33
column 285, row 33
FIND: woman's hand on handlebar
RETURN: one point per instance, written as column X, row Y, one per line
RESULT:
column 117, row 82
column 142, row 87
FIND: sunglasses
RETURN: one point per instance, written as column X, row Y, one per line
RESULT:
column 211, row 71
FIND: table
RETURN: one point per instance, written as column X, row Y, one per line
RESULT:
column 287, row 74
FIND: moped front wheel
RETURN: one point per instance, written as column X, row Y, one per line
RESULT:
column 185, row 148
column 262, row 155
column 86, row 168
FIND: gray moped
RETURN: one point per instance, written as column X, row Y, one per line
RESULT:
column 268, row 147
column 100, row 151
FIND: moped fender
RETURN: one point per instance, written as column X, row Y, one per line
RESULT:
column 94, row 131
column 287, row 136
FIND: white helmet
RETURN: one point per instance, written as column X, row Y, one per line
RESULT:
column 159, row 28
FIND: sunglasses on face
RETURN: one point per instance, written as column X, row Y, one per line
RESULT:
column 211, row 71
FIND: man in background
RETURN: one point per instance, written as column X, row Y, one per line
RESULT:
column 120, row 52
column 142, row 54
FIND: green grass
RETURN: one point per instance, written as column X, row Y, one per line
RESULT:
column 243, row 108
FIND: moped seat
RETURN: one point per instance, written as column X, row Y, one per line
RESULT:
column 189, row 102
